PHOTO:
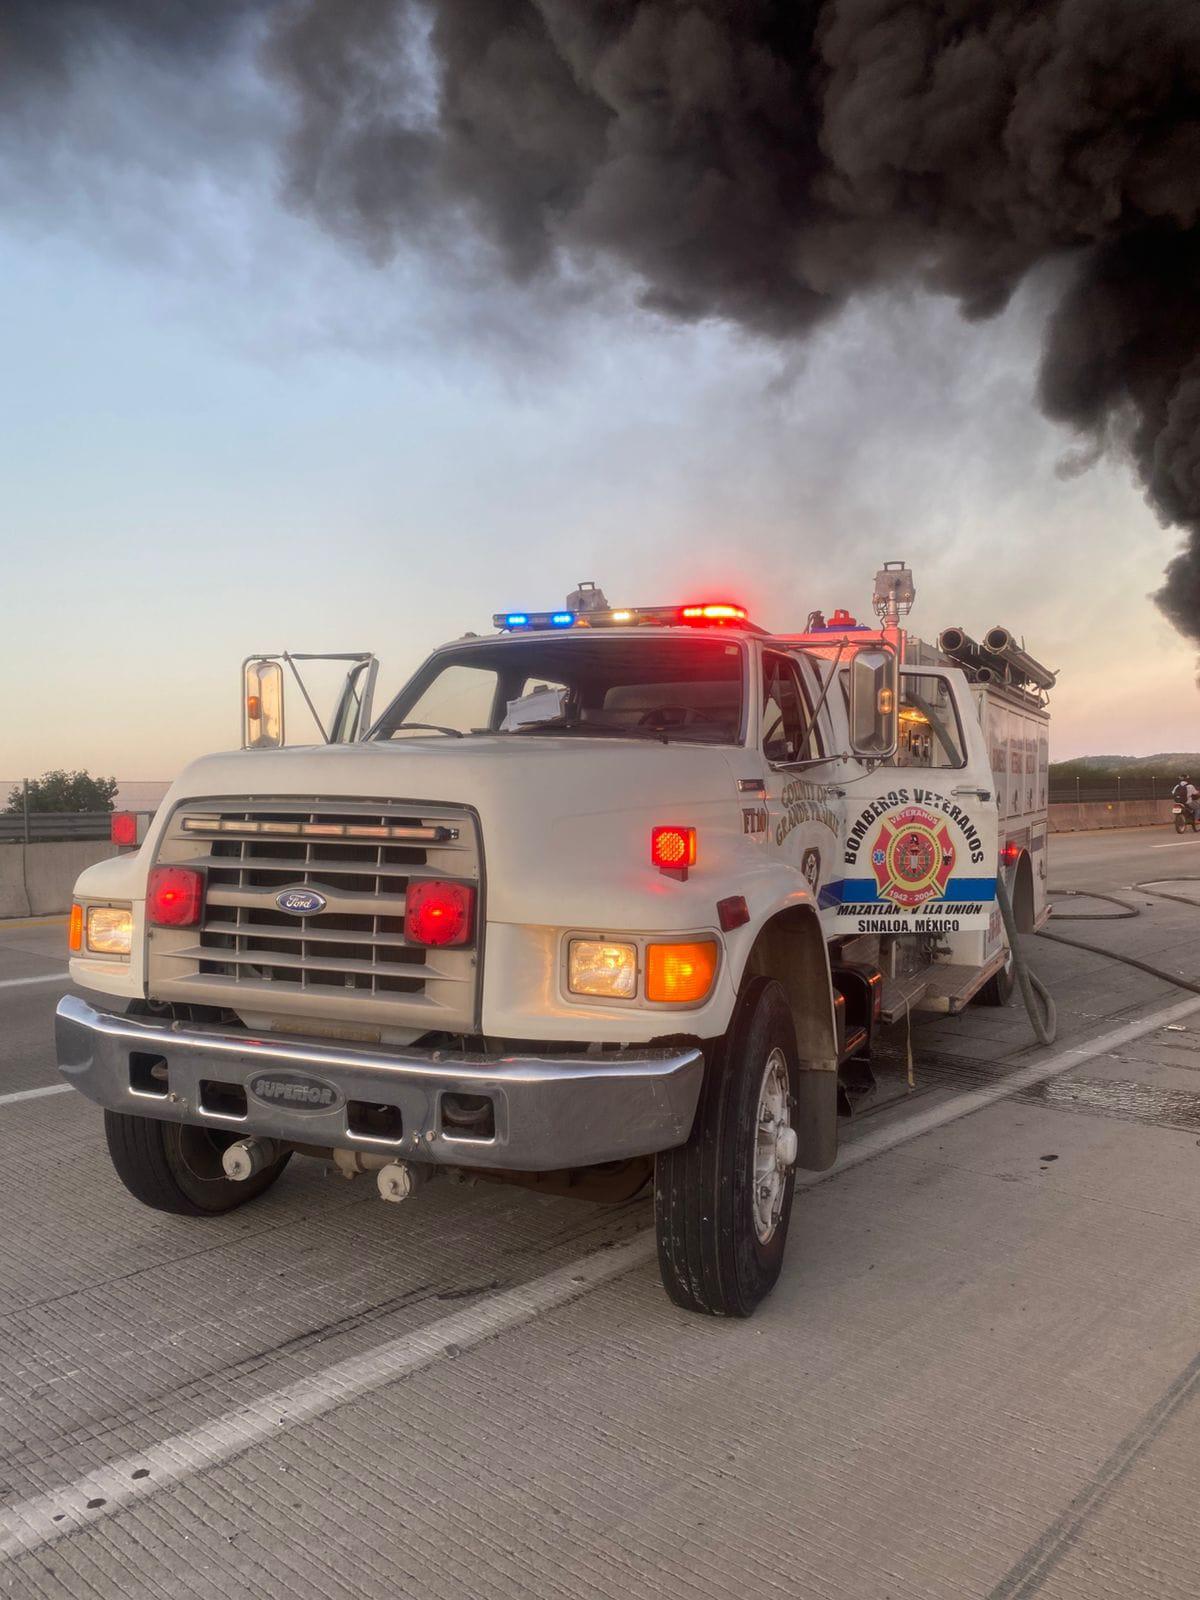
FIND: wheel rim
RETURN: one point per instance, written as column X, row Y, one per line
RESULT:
column 774, row 1146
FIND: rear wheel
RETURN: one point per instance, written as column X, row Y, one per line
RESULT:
column 1181, row 822
column 723, row 1201
column 998, row 990
column 175, row 1167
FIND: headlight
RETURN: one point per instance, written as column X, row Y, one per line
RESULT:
column 599, row 967
column 110, row 930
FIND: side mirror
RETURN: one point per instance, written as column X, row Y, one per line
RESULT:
column 262, row 705
column 874, row 704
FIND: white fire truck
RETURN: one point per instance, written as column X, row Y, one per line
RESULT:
column 613, row 895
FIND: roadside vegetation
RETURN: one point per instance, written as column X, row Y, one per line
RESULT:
column 62, row 791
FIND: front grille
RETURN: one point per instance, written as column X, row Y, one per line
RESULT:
column 348, row 961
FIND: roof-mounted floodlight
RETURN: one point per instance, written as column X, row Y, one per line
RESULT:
column 894, row 593
column 587, row 597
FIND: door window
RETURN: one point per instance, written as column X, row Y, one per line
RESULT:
column 788, row 731
column 930, row 732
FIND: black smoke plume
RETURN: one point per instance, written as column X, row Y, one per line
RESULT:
column 762, row 161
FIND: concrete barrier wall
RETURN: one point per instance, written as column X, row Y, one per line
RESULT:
column 1066, row 817
column 36, row 879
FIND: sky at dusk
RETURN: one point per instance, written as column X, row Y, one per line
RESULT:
column 223, row 430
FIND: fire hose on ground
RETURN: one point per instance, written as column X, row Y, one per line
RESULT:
column 1032, row 989
column 1039, row 1003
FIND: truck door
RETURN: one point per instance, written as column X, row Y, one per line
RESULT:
column 921, row 843
column 798, row 821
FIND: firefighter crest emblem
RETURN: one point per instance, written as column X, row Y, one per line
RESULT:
column 912, row 858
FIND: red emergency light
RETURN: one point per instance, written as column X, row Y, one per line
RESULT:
column 713, row 611
column 174, row 897
column 673, row 849
column 123, row 828
column 438, row 913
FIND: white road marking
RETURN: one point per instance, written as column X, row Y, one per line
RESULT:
column 31, row 1524
column 1177, row 844
column 34, row 1094
column 21, row 983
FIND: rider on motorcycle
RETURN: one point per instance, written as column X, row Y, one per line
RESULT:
column 1186, row 794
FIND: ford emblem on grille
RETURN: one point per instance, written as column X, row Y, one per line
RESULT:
column 295, row 1090
column 300, row 902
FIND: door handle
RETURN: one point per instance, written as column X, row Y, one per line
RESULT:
column 967, row 788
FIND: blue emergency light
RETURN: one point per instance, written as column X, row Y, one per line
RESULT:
column 516, row 620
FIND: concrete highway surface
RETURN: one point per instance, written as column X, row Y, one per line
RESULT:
column 979, row 1375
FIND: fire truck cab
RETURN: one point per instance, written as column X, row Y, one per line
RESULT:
column 610, row 896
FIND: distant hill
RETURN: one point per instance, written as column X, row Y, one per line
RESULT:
column 1095, row 769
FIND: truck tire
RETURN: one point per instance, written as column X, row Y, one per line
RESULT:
column 722, row 1201
column 175, row 1167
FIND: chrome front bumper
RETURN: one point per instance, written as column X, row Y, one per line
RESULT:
column 550, row 1111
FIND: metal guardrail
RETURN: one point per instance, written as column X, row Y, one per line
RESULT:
column 43, row 826
column 1080, row 792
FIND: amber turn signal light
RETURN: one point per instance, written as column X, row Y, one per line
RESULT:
column 680, row 974
column 75, row 929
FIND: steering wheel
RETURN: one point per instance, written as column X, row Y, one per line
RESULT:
column 667, row 717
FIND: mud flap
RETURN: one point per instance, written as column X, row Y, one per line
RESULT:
column 816, row 1119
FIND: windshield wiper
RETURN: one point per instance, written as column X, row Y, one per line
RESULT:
column 426, row 727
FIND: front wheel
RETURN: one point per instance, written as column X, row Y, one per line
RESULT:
column 722, row 1202
column 174, row 1167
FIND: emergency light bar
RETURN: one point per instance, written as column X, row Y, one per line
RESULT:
column 704, row 614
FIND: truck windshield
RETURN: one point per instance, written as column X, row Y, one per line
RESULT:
column 583, row 684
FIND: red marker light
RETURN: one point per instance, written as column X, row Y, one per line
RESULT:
column 720, row 611
column 123, row 828
column 1011, row 853
column 733, row 912
column 174, row 897
column 438, row 913
column 673, row 848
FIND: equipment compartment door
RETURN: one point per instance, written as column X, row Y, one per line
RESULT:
column 920, row 854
